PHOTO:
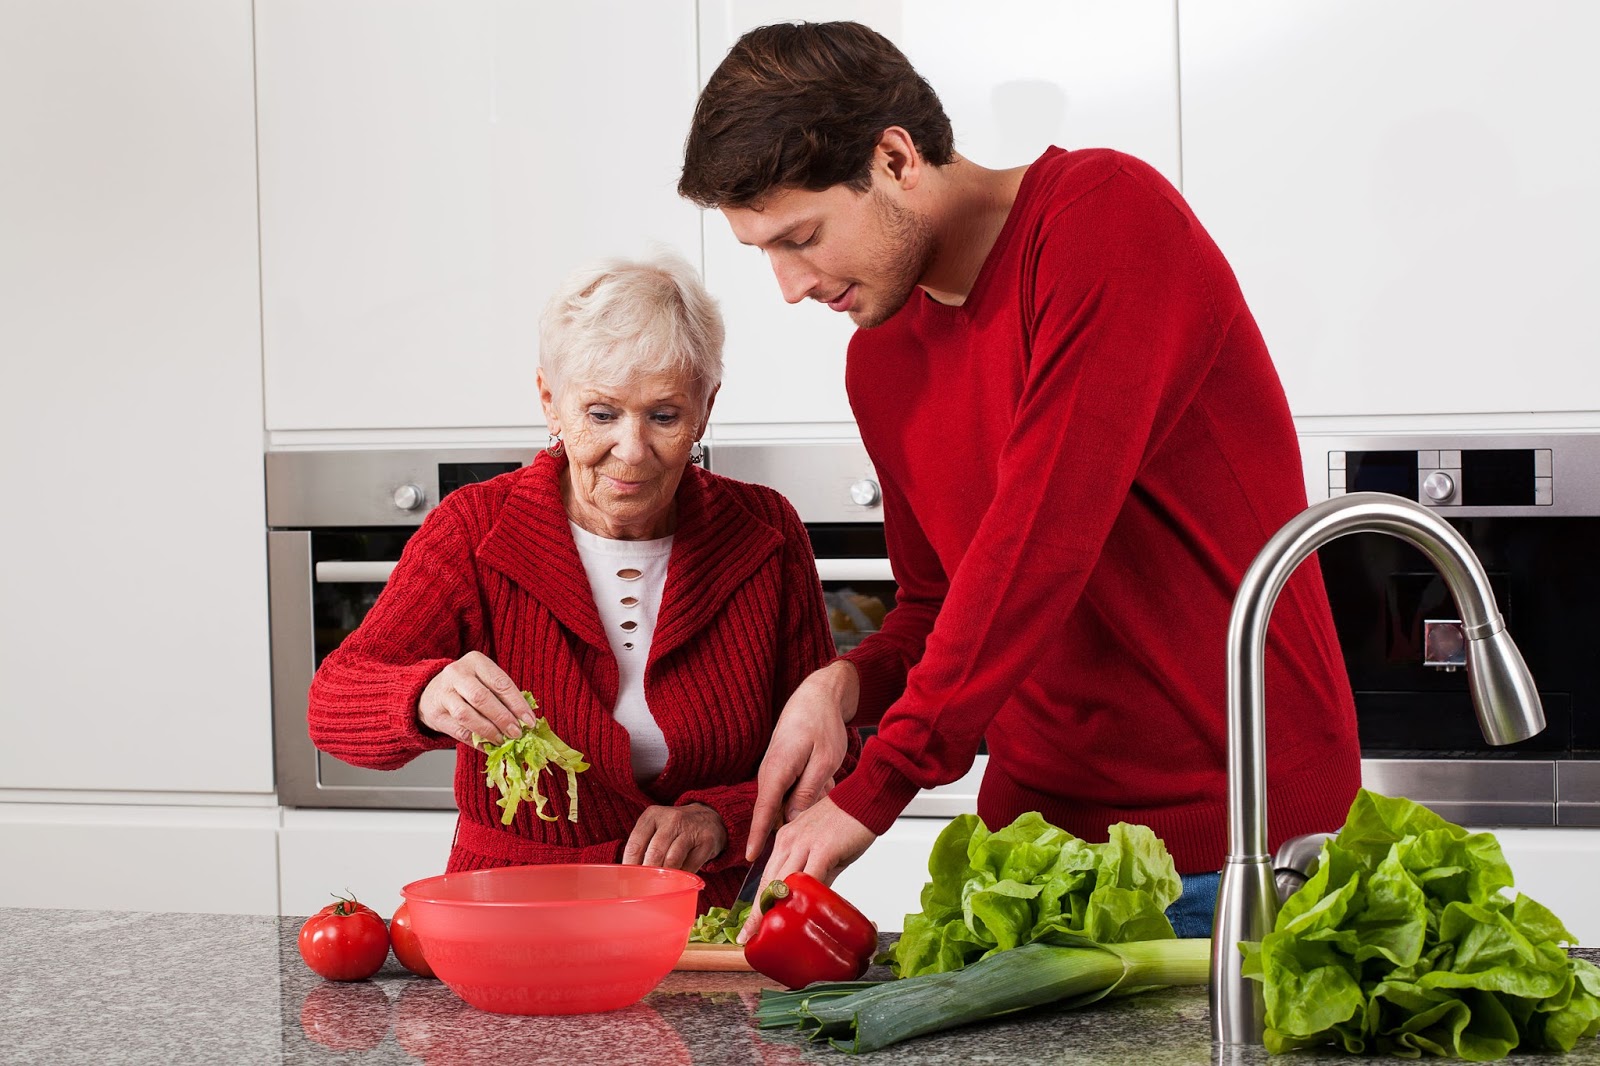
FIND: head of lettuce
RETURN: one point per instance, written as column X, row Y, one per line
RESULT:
column 1408, row 940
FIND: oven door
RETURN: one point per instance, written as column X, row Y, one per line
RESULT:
column 320, row 586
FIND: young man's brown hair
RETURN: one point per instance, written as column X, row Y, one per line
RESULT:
column 802, row 106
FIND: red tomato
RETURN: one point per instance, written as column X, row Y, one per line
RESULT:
column 407, row 948
column 344, row 942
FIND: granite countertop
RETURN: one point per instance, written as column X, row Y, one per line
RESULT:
column 116, row 987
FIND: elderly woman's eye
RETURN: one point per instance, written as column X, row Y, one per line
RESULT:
column 601, row 416
column 665, row 418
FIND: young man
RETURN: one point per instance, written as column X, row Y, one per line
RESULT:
column 1082, row 444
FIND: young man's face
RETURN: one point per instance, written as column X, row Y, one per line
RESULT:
column 859, row 253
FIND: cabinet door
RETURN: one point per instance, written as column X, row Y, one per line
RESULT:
column 431, row 171
column 1406, row 192
column 1015, row 76
column 133, row 592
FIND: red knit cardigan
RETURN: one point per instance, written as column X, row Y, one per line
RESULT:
column 494, row 569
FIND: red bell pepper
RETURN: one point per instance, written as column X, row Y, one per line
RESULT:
column 809, row 933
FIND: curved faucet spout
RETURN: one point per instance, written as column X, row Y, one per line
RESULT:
column 1503, row 694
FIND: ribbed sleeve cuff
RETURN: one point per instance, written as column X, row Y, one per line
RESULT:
column 875, row 792
column 410, row 682
column 882, row 677
column 735, row 805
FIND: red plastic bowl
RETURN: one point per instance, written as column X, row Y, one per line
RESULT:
column 559, row 939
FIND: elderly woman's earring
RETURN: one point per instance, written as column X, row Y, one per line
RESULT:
column 555, row 446
column 697, row 454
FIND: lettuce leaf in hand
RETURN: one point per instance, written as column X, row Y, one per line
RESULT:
column 514, row 766
column 1408, row 940
column 1032, row 882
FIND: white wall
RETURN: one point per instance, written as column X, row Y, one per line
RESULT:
column 133, row 629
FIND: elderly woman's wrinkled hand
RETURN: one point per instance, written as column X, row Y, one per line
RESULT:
column 474, row 696
column 683, row 838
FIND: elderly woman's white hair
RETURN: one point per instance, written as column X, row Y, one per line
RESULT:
column 622, row 319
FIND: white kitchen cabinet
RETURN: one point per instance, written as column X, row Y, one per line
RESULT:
column 1559, row 868
column 1406, row 192
column 886, row 883
column 1014, row 79
column 133, row 634
column 430, row 171
column 368, row 853
column 207, row 860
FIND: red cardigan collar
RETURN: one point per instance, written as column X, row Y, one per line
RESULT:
column 718, row 544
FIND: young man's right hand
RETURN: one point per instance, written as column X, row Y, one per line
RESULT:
column 807, row 748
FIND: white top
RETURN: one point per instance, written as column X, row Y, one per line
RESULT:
column 627, row 578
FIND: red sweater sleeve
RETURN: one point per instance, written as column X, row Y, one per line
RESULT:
column 1115, row 354
column 805, row 645
column 884, row 658
column 363, row 699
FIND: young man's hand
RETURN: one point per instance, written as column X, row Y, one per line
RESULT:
column 821, row 841
column 807, row 748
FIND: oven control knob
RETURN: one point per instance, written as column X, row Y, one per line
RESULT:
column 866, row 492
column 409, row 497
column 1439, row 486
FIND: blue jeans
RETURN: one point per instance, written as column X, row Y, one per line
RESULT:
column 1192, row 912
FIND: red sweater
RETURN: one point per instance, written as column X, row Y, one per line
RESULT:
column 494, row 569
column 1078, row 465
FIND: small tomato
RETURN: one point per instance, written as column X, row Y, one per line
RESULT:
column 344, row 942
column 407, row 948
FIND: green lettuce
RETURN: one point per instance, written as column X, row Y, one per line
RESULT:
column 514, row 767
column 1408, row 940
column 1034, row 883
column 720, row 925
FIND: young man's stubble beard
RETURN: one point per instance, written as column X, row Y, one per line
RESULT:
column 905, row 248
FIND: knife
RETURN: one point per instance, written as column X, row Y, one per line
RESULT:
column 752, row 879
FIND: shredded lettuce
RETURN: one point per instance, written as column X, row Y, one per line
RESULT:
column 720, row 925
column 515, row 766
column 1034, row 883
column 1408, row 940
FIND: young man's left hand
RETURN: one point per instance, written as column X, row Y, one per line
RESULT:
column 822, row 840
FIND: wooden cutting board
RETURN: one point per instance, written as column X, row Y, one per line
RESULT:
column 713, row 957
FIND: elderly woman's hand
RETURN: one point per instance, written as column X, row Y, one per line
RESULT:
column 473, row 695
column 684, row 838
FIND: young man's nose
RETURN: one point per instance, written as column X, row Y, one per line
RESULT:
column 795, row 280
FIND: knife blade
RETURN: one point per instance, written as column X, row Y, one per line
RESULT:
column 752, row 880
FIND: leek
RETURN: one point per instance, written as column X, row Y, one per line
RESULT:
column 859, row 1017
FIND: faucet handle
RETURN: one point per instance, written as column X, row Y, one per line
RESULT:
column 1296, row 861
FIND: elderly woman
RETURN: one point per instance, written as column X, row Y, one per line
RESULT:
column 660, row 614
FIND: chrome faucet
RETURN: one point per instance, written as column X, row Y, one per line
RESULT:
column 1502, row 692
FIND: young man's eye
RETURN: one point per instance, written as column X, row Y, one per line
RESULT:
column 808, row 242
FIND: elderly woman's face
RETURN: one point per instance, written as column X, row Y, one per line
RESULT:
column 627, row 447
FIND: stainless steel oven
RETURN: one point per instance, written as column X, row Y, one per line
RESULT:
column 1529, row 505
column 338, row 520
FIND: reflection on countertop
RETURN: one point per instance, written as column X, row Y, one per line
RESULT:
column 121, row 987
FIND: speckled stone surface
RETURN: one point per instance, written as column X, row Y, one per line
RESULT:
column 111, row 988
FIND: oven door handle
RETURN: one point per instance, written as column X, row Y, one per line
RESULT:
column 340, row 572
column 337, row 572
column 853, row 570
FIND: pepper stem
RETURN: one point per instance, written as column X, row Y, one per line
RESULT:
column 774, row 891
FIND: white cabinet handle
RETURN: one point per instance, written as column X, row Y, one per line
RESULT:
column 337, row 572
